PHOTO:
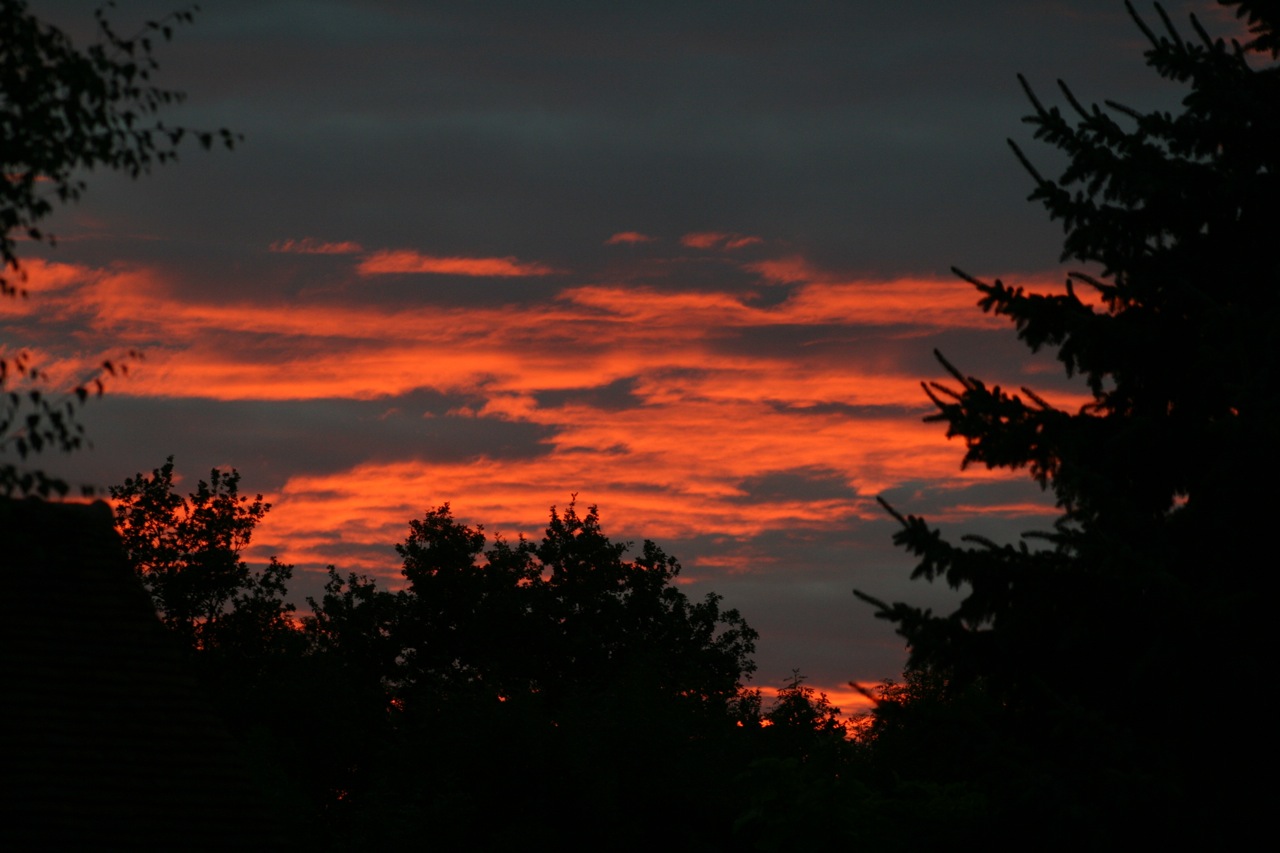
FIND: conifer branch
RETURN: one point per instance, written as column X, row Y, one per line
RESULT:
column 1200, row 31
column 978, row 283
column 1031, row 96
column 951, row 368
column 1071, row 99
column 1121, row 108
column 881, row 605
column 981, row 540
column 1026, row 164
column 932, row 390
column 1175, row 38
column 889, row 509
column 1142, row 25
column 1044, row 405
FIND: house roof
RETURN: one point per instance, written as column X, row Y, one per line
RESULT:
column 108, row 739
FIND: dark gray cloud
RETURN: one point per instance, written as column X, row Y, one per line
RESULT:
column 797, row 484
column 869, row 135
column 616, row 395
column 272, row 440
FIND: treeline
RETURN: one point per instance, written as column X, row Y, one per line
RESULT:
column 510, row 693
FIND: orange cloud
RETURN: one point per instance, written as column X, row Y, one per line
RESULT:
column 700, row 422
column 309, row 246
column 717, row 239
column 373, row 503
column 665, row 471
column 42, row 276
column 408, row 261
column 589, row 336
column 927, row 303
column 628, row 237
column 787, row 270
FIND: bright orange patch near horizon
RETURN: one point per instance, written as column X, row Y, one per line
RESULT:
column 847, row 698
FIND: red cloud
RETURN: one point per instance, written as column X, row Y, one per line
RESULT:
column 409, row 261
column 706, row 418
column 310, row 246
column 39, row 275
column 787, row 270
column 718, row 239
column 628, row 237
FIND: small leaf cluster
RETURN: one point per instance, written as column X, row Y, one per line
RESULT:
column 34, row 421
column 64, row 110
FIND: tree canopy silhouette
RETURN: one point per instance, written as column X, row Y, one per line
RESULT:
column 1148, row 576
column 65, row 110
column 539, row 667
column 557, row 619
column 187, row 553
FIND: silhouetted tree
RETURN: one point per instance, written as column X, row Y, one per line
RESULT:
column 562, row 617
column 239, row 637
column 800, row 776
column 187, row 553
column 64, row 110
column 358, row 620
column 540, row 669
column 1082, row 636
column 799, row 708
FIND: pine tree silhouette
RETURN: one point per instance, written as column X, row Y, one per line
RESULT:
column 1149, row 588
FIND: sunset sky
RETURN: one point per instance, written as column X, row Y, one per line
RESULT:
column 688, row 261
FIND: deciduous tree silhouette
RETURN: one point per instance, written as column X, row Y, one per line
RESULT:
column 800, row 774
column 564, row 616
column 239, row 638
column 187, row 553
column 65, row 110
column 1148, row 584
column 540, row 668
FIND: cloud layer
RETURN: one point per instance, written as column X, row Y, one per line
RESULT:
column 715, row 421
column 691, row 266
